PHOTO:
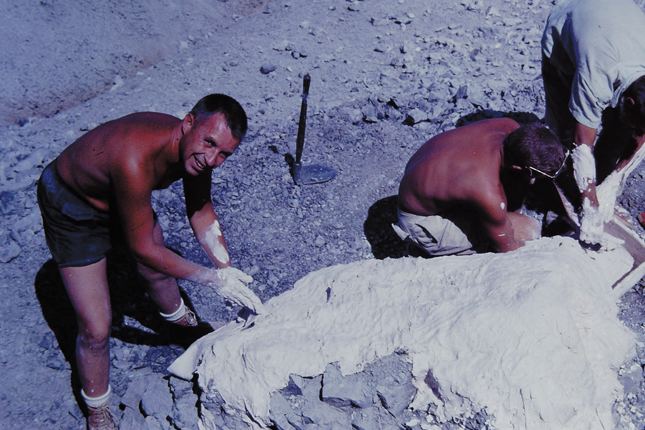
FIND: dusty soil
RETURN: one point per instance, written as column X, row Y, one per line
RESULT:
column 373, row 63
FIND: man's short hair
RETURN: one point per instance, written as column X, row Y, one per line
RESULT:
column 534, row 145
column 232, row 110
column 634, row 114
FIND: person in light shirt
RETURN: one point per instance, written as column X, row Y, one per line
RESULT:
column 593, row 67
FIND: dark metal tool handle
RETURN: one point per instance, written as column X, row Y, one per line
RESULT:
column 302, row 123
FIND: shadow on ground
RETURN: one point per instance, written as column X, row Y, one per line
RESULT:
column 128, row 299
column 379, row 233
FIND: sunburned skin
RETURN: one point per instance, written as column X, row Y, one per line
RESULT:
column 213, row 238
column 584, row 167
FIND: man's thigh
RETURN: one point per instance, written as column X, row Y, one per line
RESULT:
column 88, row 291
column 435, row 235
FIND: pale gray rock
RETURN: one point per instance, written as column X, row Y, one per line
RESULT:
column 184, row 414
column 265, row 69
column 131, row 419
column 393, row 380
column 282, row 414
column 10, row 250
column 374, row 419
column 350, row 390
column 156, row 399
column 415, row 116
column 153, row 423
column 324, row 415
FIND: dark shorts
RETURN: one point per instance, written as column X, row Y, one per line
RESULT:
column 77, row 234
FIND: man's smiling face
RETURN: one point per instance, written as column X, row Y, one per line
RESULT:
column 206, row 143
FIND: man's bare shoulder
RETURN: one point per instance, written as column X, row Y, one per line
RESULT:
column 130, row 148
column 503, row 124
column 142, row 122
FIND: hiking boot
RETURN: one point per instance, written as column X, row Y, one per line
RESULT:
column 185, row 330
column 100, row 419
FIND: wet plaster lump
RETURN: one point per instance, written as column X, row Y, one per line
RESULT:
column 532, row 336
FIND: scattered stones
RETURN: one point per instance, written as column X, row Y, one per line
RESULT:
column 357, row 106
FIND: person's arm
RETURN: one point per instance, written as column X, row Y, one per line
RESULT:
column 132, row 191
column 204, row 221
column 586, row 180
column 491, row 207
column 584, row 172
column 205, row 225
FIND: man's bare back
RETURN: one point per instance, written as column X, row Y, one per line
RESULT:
column 455, row 168
column 452, row 195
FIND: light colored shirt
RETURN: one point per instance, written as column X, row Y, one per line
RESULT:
column 600, row 45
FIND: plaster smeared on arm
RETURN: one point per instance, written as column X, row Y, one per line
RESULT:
column 215, row 243
column 584, row 167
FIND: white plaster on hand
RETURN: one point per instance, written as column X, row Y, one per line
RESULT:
column 213, row 240
column 231, row 284
column 584, row 167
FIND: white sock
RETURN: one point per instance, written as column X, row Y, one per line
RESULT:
column 98, row 401
column 180, row 312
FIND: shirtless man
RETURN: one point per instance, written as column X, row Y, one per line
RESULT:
column 99, row 190
column 455, row 192
column 593, row 66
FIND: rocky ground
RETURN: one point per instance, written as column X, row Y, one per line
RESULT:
column 386, row 75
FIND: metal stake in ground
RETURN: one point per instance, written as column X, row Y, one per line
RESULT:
column 315, row 173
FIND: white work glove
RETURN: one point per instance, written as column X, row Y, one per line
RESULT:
column 231, row 284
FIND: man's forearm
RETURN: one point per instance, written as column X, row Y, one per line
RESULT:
column 213, row 243
column 584, row 135
column 163, row 260
column 209, row 234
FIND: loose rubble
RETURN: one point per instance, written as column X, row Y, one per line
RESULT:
column 385, row 77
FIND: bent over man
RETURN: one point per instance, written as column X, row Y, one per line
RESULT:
column 97, row 193
column 593, row 66
column 455, row 192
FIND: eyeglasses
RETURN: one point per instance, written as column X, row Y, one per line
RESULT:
column 557, row 172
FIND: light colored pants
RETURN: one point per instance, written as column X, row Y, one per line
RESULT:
column 433, row 234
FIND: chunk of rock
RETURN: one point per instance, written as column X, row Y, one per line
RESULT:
column 265, row 69
column 415, row 116
column 156, row 400
column 10, row 251
column 350, row 390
